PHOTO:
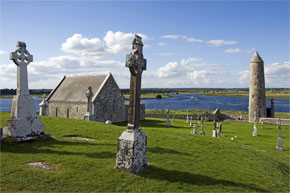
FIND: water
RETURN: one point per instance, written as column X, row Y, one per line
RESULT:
column 183, row 102
column 5, row 104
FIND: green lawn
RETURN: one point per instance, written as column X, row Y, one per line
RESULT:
column 179, row 161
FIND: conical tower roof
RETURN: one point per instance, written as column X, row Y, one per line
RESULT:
column 256, row 58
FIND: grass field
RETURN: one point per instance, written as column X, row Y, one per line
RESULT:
column 197, row 112
column 179, row 161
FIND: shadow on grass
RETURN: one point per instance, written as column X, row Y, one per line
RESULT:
column 147, row 123
column 161, row 150
column 174, row 176
column 51, row 146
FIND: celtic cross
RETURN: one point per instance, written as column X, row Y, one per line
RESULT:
column 21, row 57
column 136, row 63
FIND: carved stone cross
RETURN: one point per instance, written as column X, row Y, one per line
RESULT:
column 136, row 63
column 21, row 57
column 89, row 96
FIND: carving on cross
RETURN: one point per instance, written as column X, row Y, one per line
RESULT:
column 21, row 55
column 135, row 60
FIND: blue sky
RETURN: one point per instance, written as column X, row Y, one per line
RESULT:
column 187, row 43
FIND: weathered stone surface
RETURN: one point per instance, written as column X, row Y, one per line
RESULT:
column 79, row 138
column 132, row 145
column 274, row 121
column 279, row 143
column 194, row 132
column 24, row 125
column 40, row 165
column 257, row 96
column 43, row 107
column 132, row 151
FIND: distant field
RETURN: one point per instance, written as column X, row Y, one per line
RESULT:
column 150, row 96
column 179, row 161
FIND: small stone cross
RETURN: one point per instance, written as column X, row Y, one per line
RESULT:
column 89, row 95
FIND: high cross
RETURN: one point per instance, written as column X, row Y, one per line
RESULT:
column 136, row 63
column 21, row 57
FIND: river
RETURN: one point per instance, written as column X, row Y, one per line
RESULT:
column 187, row 101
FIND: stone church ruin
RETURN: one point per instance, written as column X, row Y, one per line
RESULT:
column 94, row 98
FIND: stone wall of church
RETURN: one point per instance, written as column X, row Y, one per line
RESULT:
column 71, row 110
column 110, row 103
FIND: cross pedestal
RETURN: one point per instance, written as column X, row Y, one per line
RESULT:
column 24, row 125
column 132, row 144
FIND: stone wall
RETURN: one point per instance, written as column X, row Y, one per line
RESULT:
column 71, row 110
column 274, row 121
column 110, row 103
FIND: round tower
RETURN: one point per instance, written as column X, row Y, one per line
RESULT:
column 257, row 96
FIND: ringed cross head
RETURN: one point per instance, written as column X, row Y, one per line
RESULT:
column 21, row 55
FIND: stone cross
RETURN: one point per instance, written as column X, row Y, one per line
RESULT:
column 214, row 133
column 190, row 122
column 132, row 144
column 167, row 121
column 255, row 131
column 194, row 132
column 21, row 57
column 187, row 117
column 89, row 96
column 279, row 143
column 201, row 126
column 136, row 64
column 24, row 125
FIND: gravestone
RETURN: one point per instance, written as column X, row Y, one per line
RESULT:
column 187, row 117
column 214, row 133
column 43, row 106
column 219, row 130
column 262, row 124
column 167, row 121
column 24, row 125
column 194, row 132
column 255, row 131
column 132, row 144
column 190, row 122
column 201, row 126
column 279, row 143
column 89, row 114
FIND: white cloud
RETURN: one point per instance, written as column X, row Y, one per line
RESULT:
column 2, row 52
column 194, row 40
column 238, row 50
column 191, row 72
column 189, row 39
column 113, row 43
column 278, row 74
column 244, row 78
column 174, row 37
column 165, row 54
column 220, row 42
column 161, row 44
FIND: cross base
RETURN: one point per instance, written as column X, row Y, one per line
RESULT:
column 279, row 144
column 132, row 151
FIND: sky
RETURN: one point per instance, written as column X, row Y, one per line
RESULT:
column 187, row 44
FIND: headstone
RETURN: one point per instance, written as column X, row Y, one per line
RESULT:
column 24, row 125
column 187, row 117
column 219, row 130
column 190, row 122
column 214, row 133
column 108, row 122
column 255, row 131
column 262, row 124
column 89, row 114
column 167, row 121
column 279, row 143
column 1, row 134
column 201, row 126
column 43, row 106
column 194, row 132
column 173, row 119
column 132, row 144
